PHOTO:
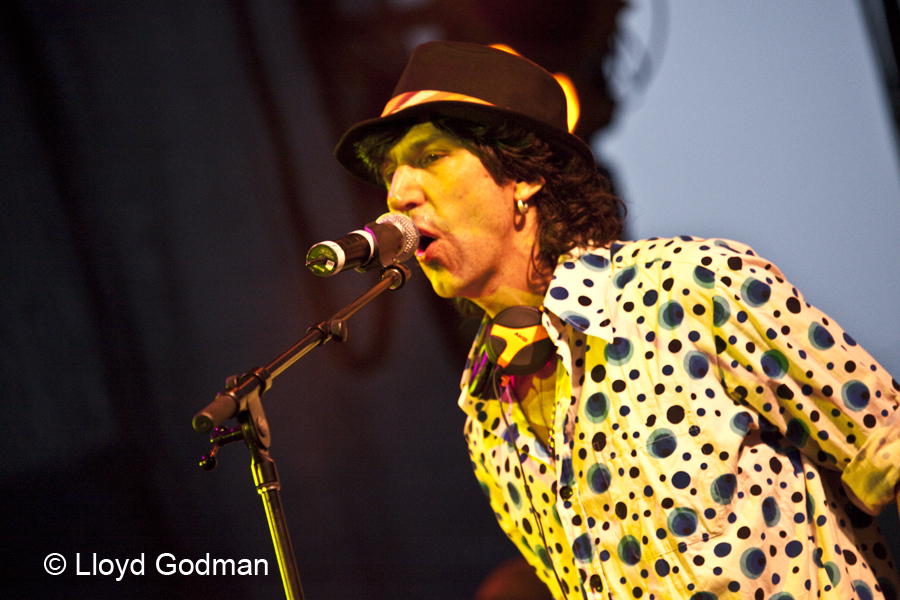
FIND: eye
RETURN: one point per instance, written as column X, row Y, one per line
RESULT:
column 430, row 157
column 387, row 175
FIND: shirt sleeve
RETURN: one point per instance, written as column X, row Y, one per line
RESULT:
column 805, row 377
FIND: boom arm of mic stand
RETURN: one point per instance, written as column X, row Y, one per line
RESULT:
column 242, row 399
column 233, row 399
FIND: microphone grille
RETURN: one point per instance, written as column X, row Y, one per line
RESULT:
column 408, row 231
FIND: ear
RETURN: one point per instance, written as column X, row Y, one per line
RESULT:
column 526, row 189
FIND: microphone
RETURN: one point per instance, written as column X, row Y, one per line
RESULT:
column 392, row 238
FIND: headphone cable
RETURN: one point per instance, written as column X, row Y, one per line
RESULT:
column 537, row 516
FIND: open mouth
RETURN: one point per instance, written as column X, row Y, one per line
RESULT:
column 424, row 241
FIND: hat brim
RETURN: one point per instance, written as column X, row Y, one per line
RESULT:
column 346, row 153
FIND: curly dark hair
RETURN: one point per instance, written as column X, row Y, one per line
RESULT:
column 576, row 205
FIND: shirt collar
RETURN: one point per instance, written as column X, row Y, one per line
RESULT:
column 581, row 272
column 579, row 291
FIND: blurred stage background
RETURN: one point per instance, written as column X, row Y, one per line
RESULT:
column 166, row 165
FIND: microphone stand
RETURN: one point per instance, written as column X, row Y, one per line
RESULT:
column 242, row 399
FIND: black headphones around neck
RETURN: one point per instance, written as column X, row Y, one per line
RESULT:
column 514, row 342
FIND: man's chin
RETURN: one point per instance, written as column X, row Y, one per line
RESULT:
column 443, row 291
column 440, row 282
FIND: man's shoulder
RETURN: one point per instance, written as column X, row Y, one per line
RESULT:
column 587, row 280
column 707, row 252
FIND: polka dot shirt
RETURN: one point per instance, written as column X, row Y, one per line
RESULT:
column 715, row 437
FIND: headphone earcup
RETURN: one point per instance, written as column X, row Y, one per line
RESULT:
column 517, row 341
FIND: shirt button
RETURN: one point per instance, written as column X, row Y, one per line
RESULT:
column 565, row 492
column 596, row 583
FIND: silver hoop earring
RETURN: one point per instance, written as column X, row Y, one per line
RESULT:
column 521, row 206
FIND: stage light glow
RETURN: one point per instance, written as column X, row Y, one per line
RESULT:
column 505, row 48
column 573, row 106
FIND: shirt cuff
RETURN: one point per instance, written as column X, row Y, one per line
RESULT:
column 873, row 473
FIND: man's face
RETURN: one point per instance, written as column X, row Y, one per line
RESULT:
column 466, row 220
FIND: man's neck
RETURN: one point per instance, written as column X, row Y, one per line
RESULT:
column 529, row 290
column 506, row 298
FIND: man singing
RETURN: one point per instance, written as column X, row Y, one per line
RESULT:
column 665, row 418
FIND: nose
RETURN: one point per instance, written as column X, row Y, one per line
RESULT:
column 406, row 191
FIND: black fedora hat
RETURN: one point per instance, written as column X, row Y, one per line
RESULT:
column 474, row 83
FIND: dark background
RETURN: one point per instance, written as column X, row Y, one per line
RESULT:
column 163, row 169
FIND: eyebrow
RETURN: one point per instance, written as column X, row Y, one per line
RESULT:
column 414, row 147
column 408, row 149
